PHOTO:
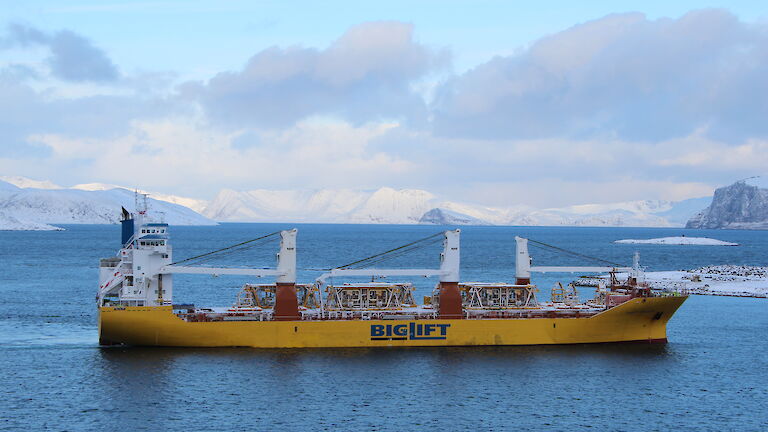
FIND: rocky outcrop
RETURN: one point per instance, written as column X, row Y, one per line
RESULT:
column 439, row 216
column 738, row 206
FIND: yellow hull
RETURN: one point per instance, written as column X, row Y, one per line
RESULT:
column 640, row 319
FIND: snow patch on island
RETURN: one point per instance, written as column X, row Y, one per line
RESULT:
column 698, row 241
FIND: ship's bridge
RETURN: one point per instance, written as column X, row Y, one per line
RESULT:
column 153, row 228
column 153, row 240
column 152, row 235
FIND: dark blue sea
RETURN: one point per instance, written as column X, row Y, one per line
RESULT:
column 712, row 375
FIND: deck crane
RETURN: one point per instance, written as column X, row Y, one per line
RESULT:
column 450, row 297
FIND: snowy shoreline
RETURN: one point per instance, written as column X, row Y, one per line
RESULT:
column 682, row 240
column 10, row 223
column 720, row 280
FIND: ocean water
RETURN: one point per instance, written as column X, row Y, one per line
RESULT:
column 712, row 375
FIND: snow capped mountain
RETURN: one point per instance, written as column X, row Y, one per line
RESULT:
column 385, row 205
column 409, row 206
column 23, row 183
column 290, row 205
column 8, row 187
column 682, row 211
column 96, row 186
column 192, row 203
column 644, row 213
column 760, row 182
column 554, row 217
column 100, row 203
column 489, row 215
column 334, row 203
column 32, row 207
column 645, row 206
column 10, row 223
column 388, row 205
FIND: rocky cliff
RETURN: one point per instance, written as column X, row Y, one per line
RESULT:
column 738, row 206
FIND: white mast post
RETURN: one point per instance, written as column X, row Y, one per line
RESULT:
column 450, row 259
column 522, row 262
column 450, row 306
column 286, row 303
column 286, row 258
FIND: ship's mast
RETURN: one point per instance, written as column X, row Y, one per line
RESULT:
column 286, row 302
column 449, row 294
column 522, row 262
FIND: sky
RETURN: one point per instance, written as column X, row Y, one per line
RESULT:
column 548, row 104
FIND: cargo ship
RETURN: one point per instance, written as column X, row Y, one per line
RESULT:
column 136, row 308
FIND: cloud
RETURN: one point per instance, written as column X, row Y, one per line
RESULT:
column 622, row 76
column 365, row 75
column 615, row 109
column 716, row 157
column 72, row 57
column 551, row 171
column 180, row 154
column 26, row 110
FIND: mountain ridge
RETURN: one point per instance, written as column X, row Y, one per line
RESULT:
column 99, row 203
column 35, row 208
column 412, row 206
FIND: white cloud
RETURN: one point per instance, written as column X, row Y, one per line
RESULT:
column 180, row 154
column 365, row 75
column 709, row 155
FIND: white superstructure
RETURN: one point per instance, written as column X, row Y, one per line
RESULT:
column 134, row 277
column 142, row 272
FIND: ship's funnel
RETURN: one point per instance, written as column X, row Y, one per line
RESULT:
column 127, row 227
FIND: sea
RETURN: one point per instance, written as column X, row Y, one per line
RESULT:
column 712, row 375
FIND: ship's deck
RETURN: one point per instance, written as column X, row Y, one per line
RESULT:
column 547, row 310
